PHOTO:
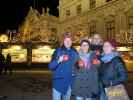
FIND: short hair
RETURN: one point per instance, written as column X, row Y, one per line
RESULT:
column 65, row 35
column 86, row 41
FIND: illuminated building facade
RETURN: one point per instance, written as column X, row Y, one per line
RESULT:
column 39, row 27
column 107, row 17
column 81, row 18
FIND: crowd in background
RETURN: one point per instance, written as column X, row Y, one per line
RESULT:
column 5, row 64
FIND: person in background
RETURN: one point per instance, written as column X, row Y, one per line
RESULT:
column 97, row 47
column 62, row 63
column 2, row 63
column 97, row 43
column 8, row 66
column 86, row 84
column 113, row 70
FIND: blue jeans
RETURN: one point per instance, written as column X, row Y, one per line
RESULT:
column 57, row 95
column 82, row 98
column 103, row 96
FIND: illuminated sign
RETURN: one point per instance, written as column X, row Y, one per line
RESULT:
column 42, row 54
column 125, row 37
column 18, row 54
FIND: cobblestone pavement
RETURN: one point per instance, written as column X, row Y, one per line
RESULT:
column 33, row 86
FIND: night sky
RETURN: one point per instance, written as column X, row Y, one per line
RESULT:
column 13, row 12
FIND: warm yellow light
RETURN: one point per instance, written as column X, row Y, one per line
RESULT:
column 123, row 48
column 16, row 47
column 44, row 47
column 77, row 48
column 22, row 55
column 3, row 38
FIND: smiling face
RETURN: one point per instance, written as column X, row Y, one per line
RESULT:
column 97, row 39
column 68, row 42
column 85, row 47
column 107, row 48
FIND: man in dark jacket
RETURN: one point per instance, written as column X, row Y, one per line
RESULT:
column 97, row 46
column 96, row 43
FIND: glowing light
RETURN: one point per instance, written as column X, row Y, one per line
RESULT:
column 123, row 49
column 3, row 38
column 44, row 47
column 77, row 48
column 22, row 55
column 16, row 47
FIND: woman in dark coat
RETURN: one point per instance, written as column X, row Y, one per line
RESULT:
column 62, row 63
column 113, row 71
column 86, row 84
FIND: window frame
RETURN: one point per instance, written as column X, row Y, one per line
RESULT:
column 92, row 28
column 130, row 22
column 68, row 12
column 110, row 29
column 92, row 4
column 79, row 9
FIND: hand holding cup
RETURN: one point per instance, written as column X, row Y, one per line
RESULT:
column 63, row 58
column 81, row 63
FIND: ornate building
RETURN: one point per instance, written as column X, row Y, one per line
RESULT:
column 107, row 17
column 81, row 18
column 39, row 27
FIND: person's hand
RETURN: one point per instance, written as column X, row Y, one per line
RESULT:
column 60, row 59
column 81, row 64
column 63, row 58
column 97, row 53
column 96, row 61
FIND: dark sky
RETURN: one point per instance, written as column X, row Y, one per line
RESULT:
column 13, row 12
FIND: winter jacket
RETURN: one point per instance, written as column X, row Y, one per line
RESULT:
column 86, row 82
column 113, row 72
column 62, row 72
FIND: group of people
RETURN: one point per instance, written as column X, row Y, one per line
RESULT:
column 88, row 72
column 5, row 64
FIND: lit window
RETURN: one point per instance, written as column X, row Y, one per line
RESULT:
column 110, row 29
column 79, row 9
column 130, row 22
column 92, row 3
column 92, row 28
column 67, row 12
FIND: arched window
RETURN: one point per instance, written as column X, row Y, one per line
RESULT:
column 92, row 4
column 67, row 12
column 129, row 14
column 92, row 27
column 110, row 27
column 79, row 9
column 130, row 22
